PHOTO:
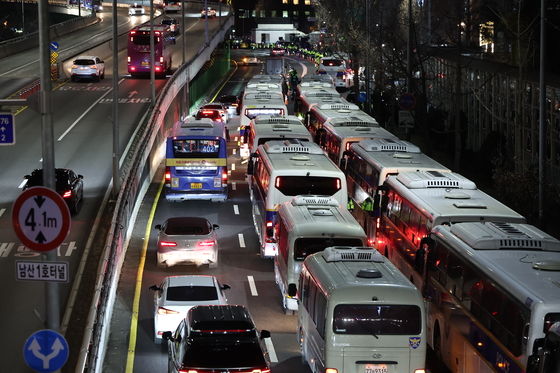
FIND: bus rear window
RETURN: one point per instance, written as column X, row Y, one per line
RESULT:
column 332, row 62
column 369, row 319
column 195, row 148
column 317, row 185
column 141, row 39
column 252, row 113
column 307, row 246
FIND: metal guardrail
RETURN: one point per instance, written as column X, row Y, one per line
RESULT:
column 139, row 169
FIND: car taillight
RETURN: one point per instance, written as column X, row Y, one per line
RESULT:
column 168, row 244
column 167, row 174
column 277, row 182
column 165, row 311
column 67, row 194
column 208, row 243
column 132, row 68
column 158, row 68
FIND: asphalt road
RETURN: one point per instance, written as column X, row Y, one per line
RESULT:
column 83, row 142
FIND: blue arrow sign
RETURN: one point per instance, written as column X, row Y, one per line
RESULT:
column 45, row 351
column 7, row 131
column 54, row 46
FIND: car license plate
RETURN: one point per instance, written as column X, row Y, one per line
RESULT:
column 376, row 368
column 196, row 185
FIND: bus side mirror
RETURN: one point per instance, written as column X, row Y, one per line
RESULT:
column 265, row 334
column 292, row 290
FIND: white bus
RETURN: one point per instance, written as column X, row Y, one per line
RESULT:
column 261, row 103
column 336, row 68
column 493, row 292
column 358, row 313
column 309, row 95
column 415, row 202
column 329, row 110
column 336, row 135
column 306, row 225
column 283, row 169
column 367, row 165
column 273, row 127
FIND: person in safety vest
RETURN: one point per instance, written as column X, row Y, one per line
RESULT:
column 367, row 205
column 350, row 205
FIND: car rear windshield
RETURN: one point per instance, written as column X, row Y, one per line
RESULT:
column 318, row 185
column 311, row 245
column 194, row 148
column 191, row 293
column 232, row 351
column 212, row 114
column 168, row 22
column 36, row 179
column 332, row 62
column 369, row 319
column 84, row 62
column 216, row 324
column 180, row 228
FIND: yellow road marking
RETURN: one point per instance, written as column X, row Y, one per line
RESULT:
column 225, row 81
column 138, row 289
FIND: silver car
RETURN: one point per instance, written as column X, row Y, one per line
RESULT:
column 136, row 10
column 187, row 240
column 177, row 294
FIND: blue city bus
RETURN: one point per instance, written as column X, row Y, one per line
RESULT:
column 196, row 162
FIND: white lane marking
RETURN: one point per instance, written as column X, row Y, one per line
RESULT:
column 244, row 161
column 2, row 211
column 5, row 248
column 234, row 151
column 233, row 166
column 233, row 185
column 236, row 209
column 252, row 286
column 271, row 350
column 22, row 183
column 86, row 112
column 71, row 247
column 241, row 240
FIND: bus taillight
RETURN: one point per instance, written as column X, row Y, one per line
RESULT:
column 128, row 59
column 161, row 59
column 224, row 178
column 167, row 175
column 337, row 184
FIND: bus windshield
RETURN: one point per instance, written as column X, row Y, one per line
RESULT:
column 196, row 148
column 363, row 319
column 298, row 185
column 311, row 245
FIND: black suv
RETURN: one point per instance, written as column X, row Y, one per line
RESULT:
column 217, row 339
column 69, row 185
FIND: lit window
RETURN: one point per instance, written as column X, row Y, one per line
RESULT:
column 285, row 14
column 296, row 2
column 273, row 13
column 307, row 2
column 284, row 1
column 263, row 13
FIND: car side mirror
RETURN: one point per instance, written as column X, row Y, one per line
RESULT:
column 80, row 176
column 155, row 288
column 167, row 336
column 215, row 226
column 158, row 227
column 225, row 287
column 265, row 334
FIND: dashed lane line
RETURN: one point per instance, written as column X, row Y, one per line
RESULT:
column 252, row 286
column 236, row 209
column 241, row 240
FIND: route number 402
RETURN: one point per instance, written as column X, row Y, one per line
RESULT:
column 47, row 222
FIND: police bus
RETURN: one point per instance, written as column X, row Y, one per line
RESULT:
column 328, row 110
column 367, row 165
column 358, row 313
column 415, row 202
column 306, row 225
column 273, row 127
column 283, row 169
column 310, row 96
column 493, row 295
column 337, row 134
column 260, row 103
column 196, row 161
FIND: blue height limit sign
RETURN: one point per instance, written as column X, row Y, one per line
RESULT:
column 7, row 129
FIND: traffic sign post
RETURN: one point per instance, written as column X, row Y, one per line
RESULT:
column 45, row 351
column 7, row 129
column 41, row 219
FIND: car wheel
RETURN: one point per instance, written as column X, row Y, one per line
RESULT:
column 103, row 74
column 214, row 264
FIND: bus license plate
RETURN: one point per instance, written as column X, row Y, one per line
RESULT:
column 376, row 368
column 196, row 185
column 145, row 63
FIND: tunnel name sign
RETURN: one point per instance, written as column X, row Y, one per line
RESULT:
column 41, row 219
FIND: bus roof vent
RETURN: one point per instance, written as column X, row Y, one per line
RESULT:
column 281, row 128
column 321, row 93
column 292, row 146
column 300, row 157
column 352, row 254
column 547, row 265
column 369, row 273
column 192, row 122
column 339, row 106
column 352, row 122
column 277, row 119
column 316, row 83
column 402, row 156
column 434, row 179
column 499, row 235
column 320, row 212
column 389, row 145
column 314, row 201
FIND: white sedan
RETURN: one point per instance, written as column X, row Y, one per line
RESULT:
column 136, row 10
column 177, row 294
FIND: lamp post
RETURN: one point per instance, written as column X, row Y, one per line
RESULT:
column 22, row 17
column 542, row 111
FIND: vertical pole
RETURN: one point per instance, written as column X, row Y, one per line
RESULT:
column 51, row 291
column 409, row 50
column 22, row 17
column 183, row 101
column 152, row 57
column 542, row 111
column 206, row 22
column 115, row 106
column 367, row 50
column 79, row 8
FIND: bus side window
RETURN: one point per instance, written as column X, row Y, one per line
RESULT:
column 320, row 313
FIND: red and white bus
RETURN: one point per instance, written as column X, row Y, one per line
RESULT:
column 139, row 50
